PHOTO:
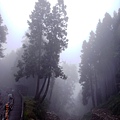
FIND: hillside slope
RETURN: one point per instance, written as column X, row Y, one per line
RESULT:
column 107, row 111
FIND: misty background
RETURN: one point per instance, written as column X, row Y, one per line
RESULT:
column 83, row 17
column 65, row 96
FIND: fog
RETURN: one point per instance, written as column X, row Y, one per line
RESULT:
column 64, row 95
column 80, row 22
column 61, row 72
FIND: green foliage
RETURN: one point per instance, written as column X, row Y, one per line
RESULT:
column 41, row 58
column 47, row 39
column 29, row 108
column 100, row 61
column 113, row 104
column 41, row 109
column 34, row 109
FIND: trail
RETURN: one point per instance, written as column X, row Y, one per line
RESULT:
column 15, row 114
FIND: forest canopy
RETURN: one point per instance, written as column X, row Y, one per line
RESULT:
column 100, row 61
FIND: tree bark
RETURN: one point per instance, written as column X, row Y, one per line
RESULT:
column 98, row 93
column 46, row 91
column 106, row 90
column 42, row 88
column 38, row 80
column 51, row 90
column 37, row 88
column 92, row 91
column 96, row 85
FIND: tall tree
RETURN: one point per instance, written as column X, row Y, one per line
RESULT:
column 100, row 60
column 30, row 65
column 3, row 33
column 56, row 34
column 47, row 39
column 116, row 27
column 84, row 73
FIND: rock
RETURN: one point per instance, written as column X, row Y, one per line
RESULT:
column 103, row 114
column 51, row 116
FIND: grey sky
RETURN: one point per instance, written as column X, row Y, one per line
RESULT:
column 83, row 17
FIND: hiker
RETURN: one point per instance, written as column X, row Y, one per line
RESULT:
column 7, row 110
column 11, row 100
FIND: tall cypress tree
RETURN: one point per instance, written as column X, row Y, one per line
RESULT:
column 47, row 38
column 56, row 34
column 3, row 33
column 100, row 60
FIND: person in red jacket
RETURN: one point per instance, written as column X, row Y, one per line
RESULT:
column 7, row 110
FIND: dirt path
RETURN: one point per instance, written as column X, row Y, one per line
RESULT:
column 15, row 114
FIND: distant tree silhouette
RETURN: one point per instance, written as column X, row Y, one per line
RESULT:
column 100, row 64
column 47, row 39
column 3, row 33
column 63, row 91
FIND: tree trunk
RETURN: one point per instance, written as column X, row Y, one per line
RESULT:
column 37, row 88
column 46, row 91
column 96, row 86
column 38, row 80
column 98, row 93
column 51, row 90
column 92, row 91
column 42, row 88
column 106, row 90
